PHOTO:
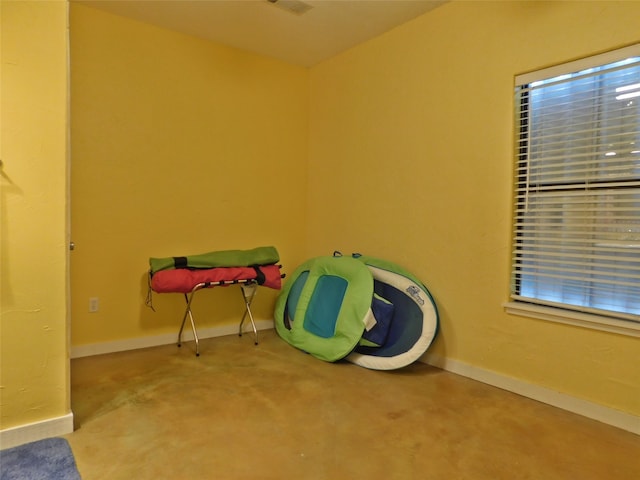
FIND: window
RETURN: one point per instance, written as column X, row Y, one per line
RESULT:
column 577, row 187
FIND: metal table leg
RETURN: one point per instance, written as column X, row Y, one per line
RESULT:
column 248, row 292
column 188, row 313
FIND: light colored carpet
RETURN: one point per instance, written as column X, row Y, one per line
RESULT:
column 241, row 411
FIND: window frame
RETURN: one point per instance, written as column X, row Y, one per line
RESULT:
column 550, row 311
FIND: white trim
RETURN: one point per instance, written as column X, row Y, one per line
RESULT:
column 31, row 432
column 610, row 416
column 578, row 319
column 579, row 65
column 157, row 340
column 563, row 401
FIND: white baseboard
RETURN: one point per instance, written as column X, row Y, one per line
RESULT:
column 566, row 402
column 166, row 339
column 610, row 416
column 31, row 432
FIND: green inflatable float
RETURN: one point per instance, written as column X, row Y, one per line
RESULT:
column 368, row 311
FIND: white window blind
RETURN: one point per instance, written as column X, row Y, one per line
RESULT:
column 577, row 186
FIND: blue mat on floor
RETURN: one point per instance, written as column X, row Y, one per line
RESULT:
column 49, row 459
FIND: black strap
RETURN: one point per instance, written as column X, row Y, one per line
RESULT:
column 180, row 262
column 260, row 278
column 149, row 300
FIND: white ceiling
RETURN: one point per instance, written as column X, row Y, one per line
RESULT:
column 260, row 26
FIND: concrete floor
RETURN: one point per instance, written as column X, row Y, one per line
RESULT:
column 241, row 411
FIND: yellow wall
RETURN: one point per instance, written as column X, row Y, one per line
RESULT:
column 179, row 146
column 411, row 160
column 34, row 360
column 182, row 146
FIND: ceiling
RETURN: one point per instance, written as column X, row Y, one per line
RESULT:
column 300, row 32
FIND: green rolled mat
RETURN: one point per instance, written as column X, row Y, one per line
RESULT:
column 222, row 258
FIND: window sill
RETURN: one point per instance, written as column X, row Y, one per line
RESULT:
column 585, row 320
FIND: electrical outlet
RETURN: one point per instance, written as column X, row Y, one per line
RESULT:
column 93, row 304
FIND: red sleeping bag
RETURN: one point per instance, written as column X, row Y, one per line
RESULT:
column 183, row 280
